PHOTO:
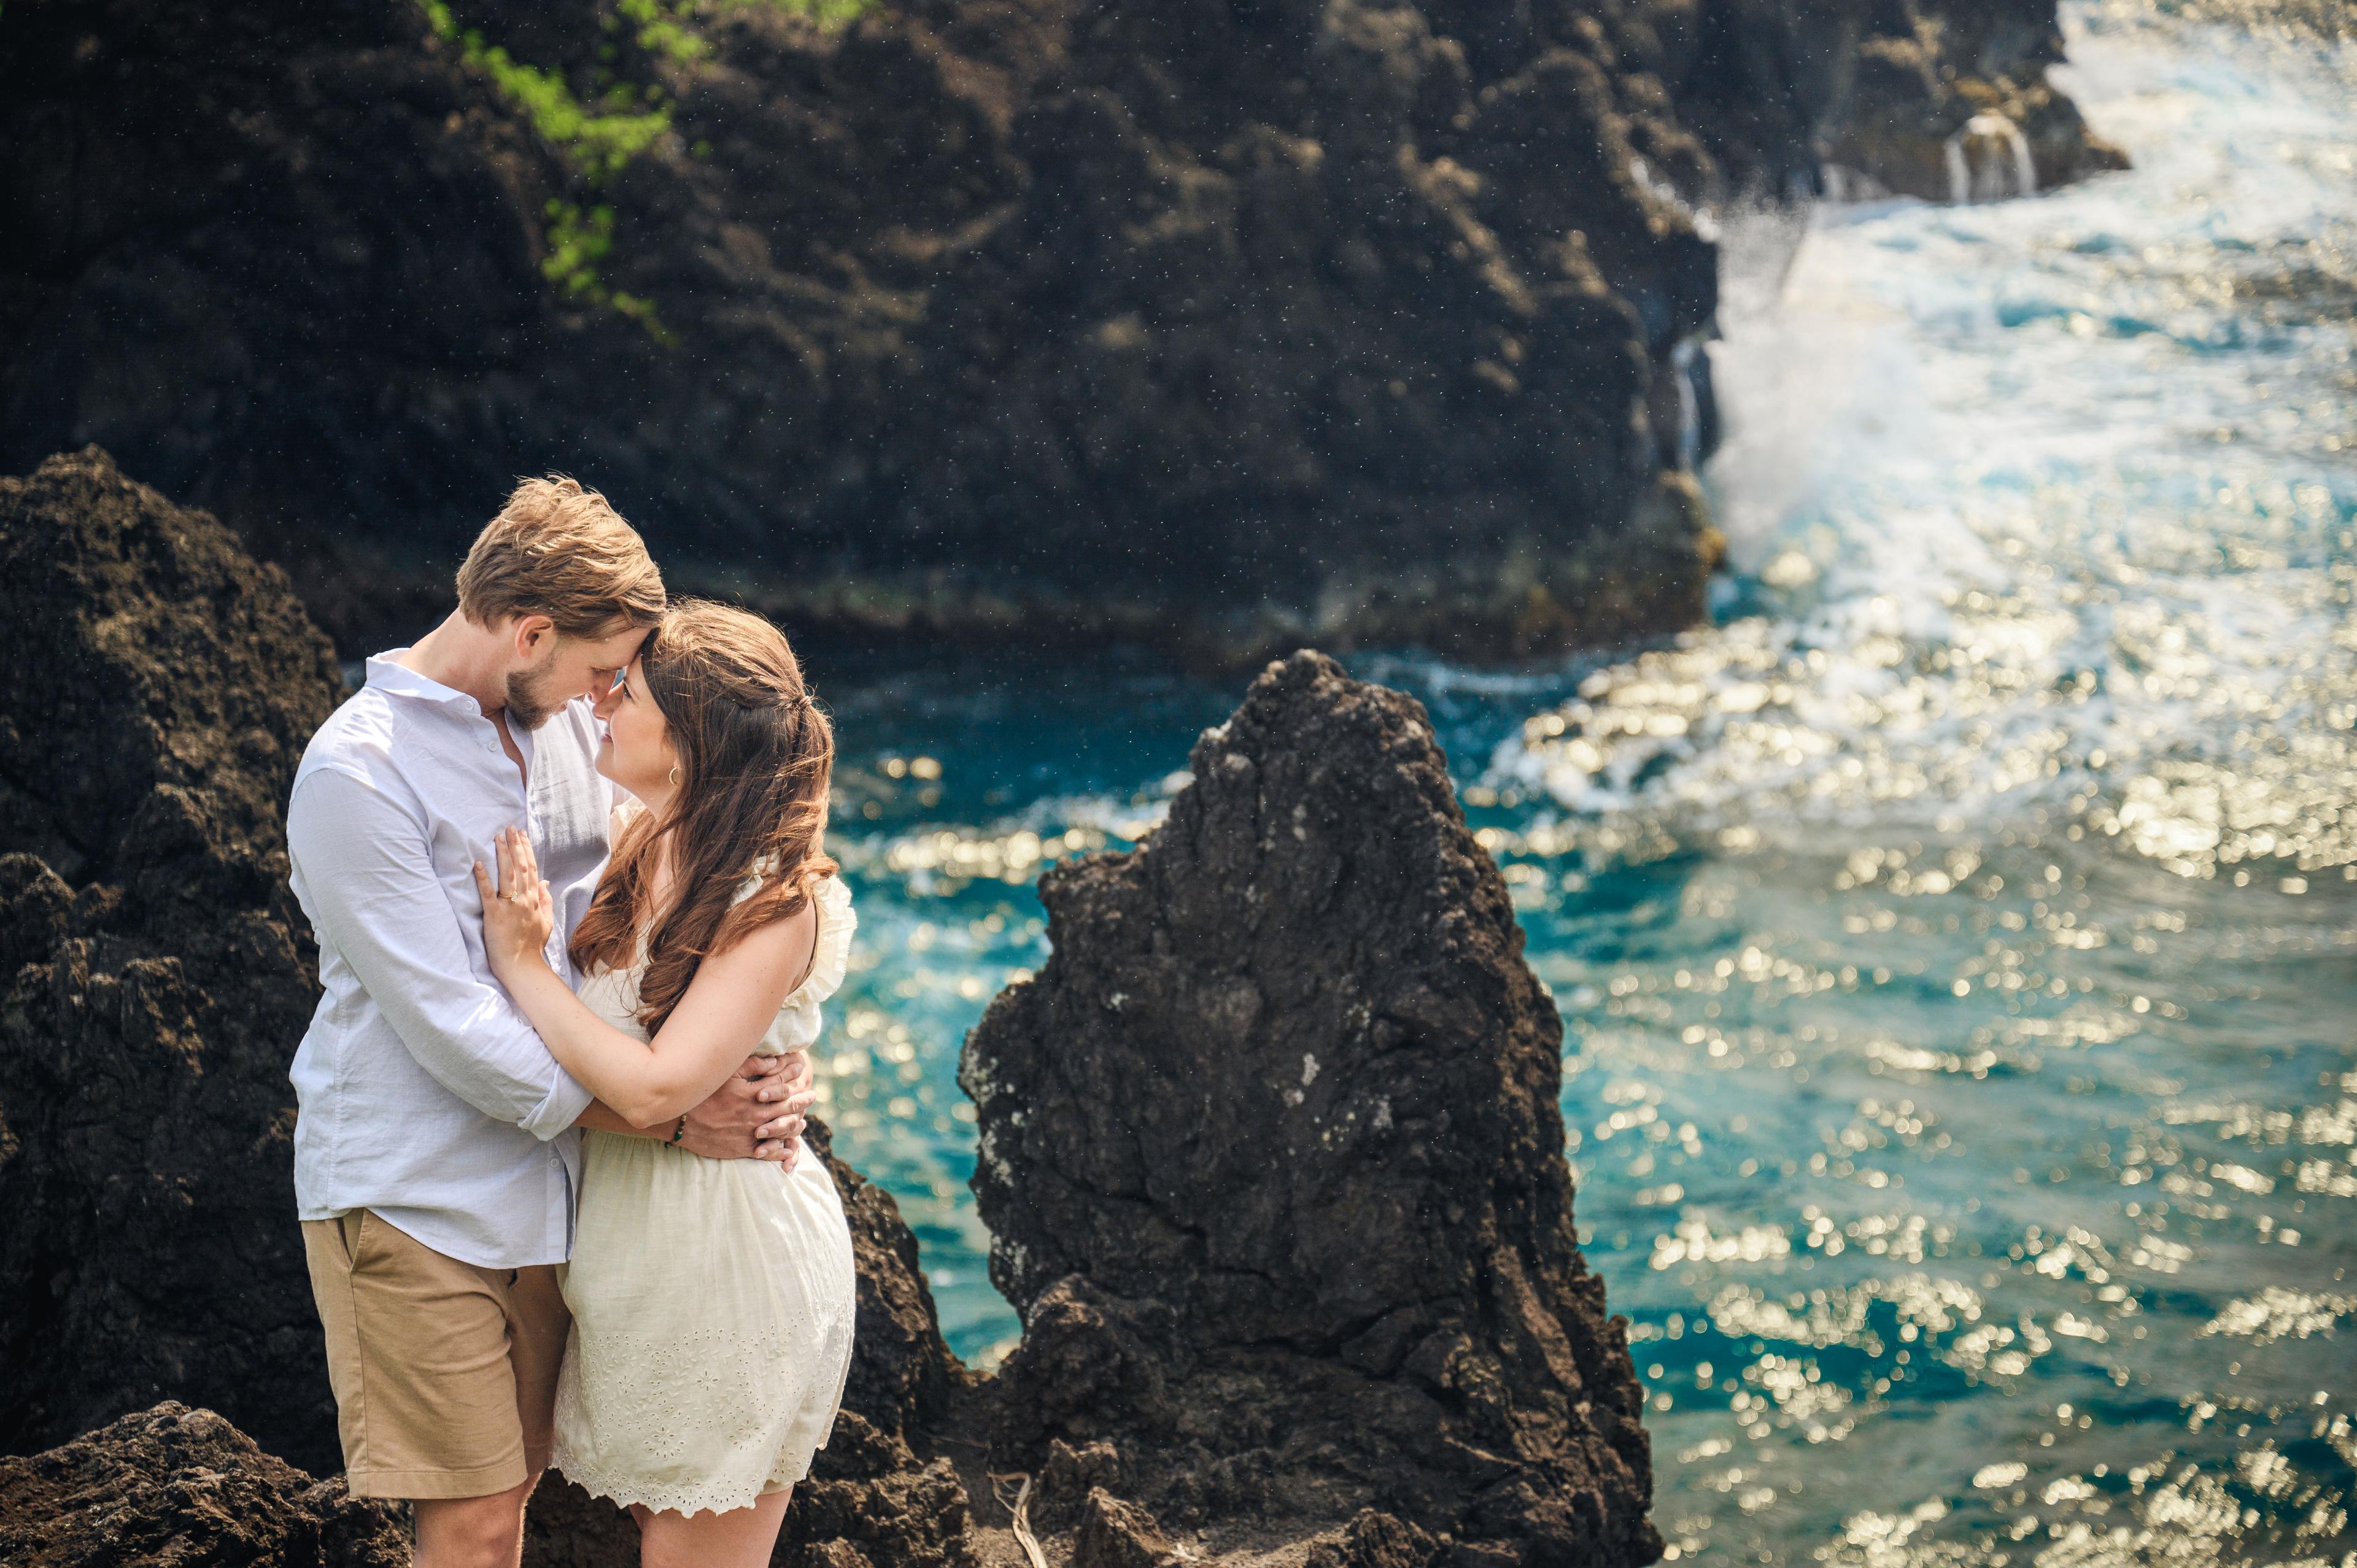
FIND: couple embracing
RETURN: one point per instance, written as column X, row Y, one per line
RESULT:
column 576, row 920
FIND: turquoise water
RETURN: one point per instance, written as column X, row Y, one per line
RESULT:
column 1958, row 942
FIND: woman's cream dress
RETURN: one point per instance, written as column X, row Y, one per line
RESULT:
column 712, row 1299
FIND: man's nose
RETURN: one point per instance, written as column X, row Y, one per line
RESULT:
column 601, row 702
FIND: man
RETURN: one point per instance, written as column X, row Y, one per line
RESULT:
column 435, row 1153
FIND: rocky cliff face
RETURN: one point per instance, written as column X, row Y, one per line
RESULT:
column 1214, row 324
column 1862, row 97
column 158, row 972
column 1274, row 1169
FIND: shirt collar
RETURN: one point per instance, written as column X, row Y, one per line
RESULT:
column 396, row 678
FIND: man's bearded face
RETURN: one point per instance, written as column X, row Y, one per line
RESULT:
column 531, row 694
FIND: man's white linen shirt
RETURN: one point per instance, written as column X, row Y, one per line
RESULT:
column 423, row 1094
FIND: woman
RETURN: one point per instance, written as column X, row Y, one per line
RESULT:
column 712, row 1299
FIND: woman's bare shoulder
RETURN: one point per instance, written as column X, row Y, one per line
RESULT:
column 768, row 961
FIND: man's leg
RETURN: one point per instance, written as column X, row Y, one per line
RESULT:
column 488, row 1532
column 472, row 1532
column 429, row 1401
column 538, row 1325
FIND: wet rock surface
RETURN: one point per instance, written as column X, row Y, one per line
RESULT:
column 1273, row 1163
column 184, row 1486
column 1215, row 325
column 158, row 972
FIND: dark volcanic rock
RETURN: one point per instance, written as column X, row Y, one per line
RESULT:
column 1854, row 96
column 158, row 974
column 1274, row 1167
column 1293, row 319
column 870, row 1501
column 1042, row 319
column 1376, row 1541
column 183, row 1486
column 1215, row 325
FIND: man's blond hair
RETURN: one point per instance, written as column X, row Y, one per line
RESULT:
column 557, row 549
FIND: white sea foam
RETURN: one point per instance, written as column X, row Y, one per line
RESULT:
column 2043, row 508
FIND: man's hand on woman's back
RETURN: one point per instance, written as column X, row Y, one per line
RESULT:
column 758, row 1114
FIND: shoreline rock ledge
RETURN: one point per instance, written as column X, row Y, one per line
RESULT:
column 1274, row 1165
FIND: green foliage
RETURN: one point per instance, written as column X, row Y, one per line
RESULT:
column 830, row 14
column 661, row 31
column 578, row 242
column 598, row 144
column 627, row 118
column 665, row 28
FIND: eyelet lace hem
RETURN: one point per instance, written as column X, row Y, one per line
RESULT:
column 632, row 1491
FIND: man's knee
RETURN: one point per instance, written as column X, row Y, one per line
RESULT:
column 472, row 1532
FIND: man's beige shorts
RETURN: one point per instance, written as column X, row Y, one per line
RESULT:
column 445, row 1373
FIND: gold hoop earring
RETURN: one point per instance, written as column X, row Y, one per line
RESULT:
column 674, row 775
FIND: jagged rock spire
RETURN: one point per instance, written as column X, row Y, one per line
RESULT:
column 1274, row 1166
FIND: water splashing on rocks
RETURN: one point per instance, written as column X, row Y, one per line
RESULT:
column 1988, row 160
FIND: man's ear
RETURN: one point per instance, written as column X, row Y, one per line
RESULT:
column 534, row 635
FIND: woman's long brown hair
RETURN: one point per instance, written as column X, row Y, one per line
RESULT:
column 756, row 756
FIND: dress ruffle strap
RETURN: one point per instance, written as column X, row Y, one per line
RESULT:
column 836, row 922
